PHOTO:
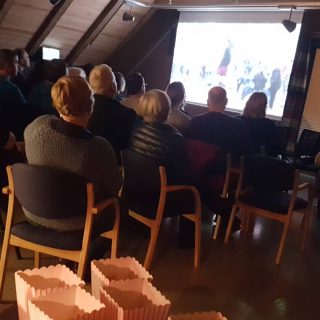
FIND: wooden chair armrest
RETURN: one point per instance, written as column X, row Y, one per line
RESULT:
column 181, row 187
column 6, row 190
column 303, row 186
column 104, row 204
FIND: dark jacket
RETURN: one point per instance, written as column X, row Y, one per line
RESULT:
column 264, row 132
column 164, row 144
column 223, row 131
column 15, row 113
column 111, row 120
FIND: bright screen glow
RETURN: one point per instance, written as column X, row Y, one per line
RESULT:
column 50, row 53
column 241, row 57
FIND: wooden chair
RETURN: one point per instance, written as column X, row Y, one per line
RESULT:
column 53, row 193
column 215, row 187
column 270, row 181
column 150, row 199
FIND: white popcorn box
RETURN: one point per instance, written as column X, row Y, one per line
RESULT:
column 212, row 315
column 36, row 282
column 106, row 270
column 134, row 299
column 73, row 303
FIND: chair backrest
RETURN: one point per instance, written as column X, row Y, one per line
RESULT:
column 141, row 173
column 309, row 143
column 268, row 174
column 283, row 135
column 48, row 192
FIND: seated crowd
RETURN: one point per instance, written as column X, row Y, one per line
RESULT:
column 82, row 125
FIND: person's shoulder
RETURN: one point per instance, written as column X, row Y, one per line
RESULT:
column 44, row 119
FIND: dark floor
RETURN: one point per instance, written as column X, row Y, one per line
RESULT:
column 239, row 279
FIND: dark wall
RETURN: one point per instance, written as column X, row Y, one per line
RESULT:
column 149, row 50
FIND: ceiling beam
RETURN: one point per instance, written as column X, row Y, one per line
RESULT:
column 4, row 8
column 47, row 25
column 95, row 29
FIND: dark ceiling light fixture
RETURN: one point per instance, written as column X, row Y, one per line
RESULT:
column 128, row 16
column 54, row 2
column 288, row 23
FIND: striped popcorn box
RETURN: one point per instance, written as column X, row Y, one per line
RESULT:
column 35, row 282
column 125, row 268
column 134, row 299
column 73, row 303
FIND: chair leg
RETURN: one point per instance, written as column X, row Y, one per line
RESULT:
column 152, row 244
column 232, row 216
column 82, row 265
column 37, row 259
column 217, row 227
column 3, row 261
column 18, row 253
column 114, row 245
column 244, row 220
column 306, row 225
column 247, row 221
column 197, row 241
column 282, row 242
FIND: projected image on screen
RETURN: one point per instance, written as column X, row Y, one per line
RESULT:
column 241, row 57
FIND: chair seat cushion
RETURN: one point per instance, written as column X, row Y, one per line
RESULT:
column 177, row 203
column 275, row 202
column 47, row 237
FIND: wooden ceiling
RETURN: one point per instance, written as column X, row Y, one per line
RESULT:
column 84, row 30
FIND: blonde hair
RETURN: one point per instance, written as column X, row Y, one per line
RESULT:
column 154, row 106
column 102, row 80
column 256, row 106
column 72, row 96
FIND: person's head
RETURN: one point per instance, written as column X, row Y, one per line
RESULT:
column 121, row 82
column 135, row 84
column 177, row 94
column 217, row 99
column 103, row 81
column 8, row 63
column 23, row 57
column 55, row 69
column 256, row 106
column 154, row 106
column 73, row 99
column 76, row 71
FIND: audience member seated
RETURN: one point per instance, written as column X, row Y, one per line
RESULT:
column 65, row 143
column 154, row 138
column 9, row 154
column 15, row 113
column 121, row 86
column 135, row 89
column 262, row 130
column 40, row 95
column 110, row 119
column 177, row 118
column 220, row 129
column 76, row 71
column 21, row 79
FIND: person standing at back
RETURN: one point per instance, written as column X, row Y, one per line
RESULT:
column 110, row 119
column 21, row 80
column 136, row 86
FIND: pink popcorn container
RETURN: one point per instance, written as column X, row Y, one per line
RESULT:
column 134, row 299
column 106, row 270
column 73, row 303
column 36, row 282
column 212, row 315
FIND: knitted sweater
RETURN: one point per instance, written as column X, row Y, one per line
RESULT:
column 89, row 156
